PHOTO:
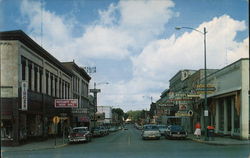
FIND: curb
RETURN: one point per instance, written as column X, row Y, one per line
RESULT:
column 219, row 144
column 35, row 149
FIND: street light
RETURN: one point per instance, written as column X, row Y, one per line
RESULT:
column 205, row 69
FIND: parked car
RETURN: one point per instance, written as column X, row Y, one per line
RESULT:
column 96, row 132
column 150, row 132
column 162, row 129
column 175, row 131
column 79, row 134
column 113, row 129
column 125, row 128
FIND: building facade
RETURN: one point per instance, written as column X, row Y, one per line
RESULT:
column 82, row 115
column 228, row 99
column 229, row 108
column 30, row 81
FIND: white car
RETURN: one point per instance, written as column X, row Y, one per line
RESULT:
column 162, row 129
column 150, row 132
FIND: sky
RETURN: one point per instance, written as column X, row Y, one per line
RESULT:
column 133, row 44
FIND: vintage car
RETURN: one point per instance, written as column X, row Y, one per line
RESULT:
column 79, row 134
column 150, row 131
column 162, row 129
column 175, row 131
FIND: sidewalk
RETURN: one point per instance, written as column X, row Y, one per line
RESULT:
column 39, row 145
column 220, row 141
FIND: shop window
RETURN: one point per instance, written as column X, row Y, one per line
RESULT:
column 6, row 130
column 30, row 77
column 221, row 115
column 23, row 68
column 236, row 121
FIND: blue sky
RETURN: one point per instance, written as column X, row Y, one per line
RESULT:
column 133, row 43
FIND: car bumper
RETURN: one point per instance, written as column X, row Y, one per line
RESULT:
column 77, row 139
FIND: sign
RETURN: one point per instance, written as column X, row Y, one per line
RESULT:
column 24, row 95
column 95, row 90
column 182, row 107
column 193, row 95
column 205, row 112
column 184, row 113
column 56, row 119
column 66, row 103
column 200, row 88
column 80, row 111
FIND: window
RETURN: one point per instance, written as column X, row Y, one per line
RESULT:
column 23, row 61
column 47, row 82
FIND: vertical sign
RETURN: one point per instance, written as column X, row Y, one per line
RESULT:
column 24, row 95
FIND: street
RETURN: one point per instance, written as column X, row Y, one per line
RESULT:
column 128, row 144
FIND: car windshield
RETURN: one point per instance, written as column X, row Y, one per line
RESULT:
column 162, row 126
column 151, row 127
column 176, row 128
column 79, row 130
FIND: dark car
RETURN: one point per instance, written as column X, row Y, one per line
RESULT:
column 79, row 134
column 96, row 132
column 175, row 131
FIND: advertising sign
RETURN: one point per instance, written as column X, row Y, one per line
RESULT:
column 24, row 95
column 66, row 103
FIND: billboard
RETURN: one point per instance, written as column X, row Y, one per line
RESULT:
column 66, row 103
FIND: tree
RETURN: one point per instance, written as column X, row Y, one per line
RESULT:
column 119, row 112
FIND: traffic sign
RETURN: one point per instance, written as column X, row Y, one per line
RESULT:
column 56, row 119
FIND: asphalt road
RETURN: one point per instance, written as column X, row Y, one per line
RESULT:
column 128, row 144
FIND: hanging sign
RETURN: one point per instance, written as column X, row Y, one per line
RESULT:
column 24, row 92
column 66, row 103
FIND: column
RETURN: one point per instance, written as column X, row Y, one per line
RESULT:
column 65, row 89
column 217, row 117
column 49, row 84
column 44, row 81
column 54, row 86
column 57, row 90
column 232, row 116
column 38, row 79
column 27, row 71
column 225, row 116
column 32, row 77
column 244, row 97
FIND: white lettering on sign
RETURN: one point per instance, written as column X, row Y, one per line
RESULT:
column 66, row 103
column 24, row 95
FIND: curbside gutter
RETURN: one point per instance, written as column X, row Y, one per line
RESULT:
column 34, row 149
column 214, row 142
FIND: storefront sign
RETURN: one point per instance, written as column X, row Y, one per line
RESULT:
column 182, row 107
column 83, row 119
column 66, row 103
column 184, row 113
column 24, row 95
column 80, row 111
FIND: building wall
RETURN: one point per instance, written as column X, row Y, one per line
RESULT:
column 9, row 68
column 231, row 99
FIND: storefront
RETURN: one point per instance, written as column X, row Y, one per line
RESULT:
column 229, row 105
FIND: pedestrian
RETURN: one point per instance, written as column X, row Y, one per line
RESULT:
column 197, row 131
